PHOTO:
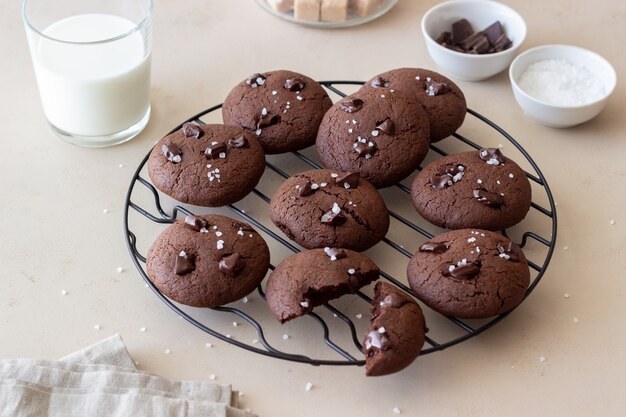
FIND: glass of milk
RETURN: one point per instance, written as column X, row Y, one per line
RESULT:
column 92, row 63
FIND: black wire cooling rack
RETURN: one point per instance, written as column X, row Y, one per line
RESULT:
column 262, row 326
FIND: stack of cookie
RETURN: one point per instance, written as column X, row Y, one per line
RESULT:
column 371, row 139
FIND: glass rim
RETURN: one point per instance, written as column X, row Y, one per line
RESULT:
column 136, row 28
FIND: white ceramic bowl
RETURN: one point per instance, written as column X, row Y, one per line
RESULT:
column 481, row 14
column 562, row 116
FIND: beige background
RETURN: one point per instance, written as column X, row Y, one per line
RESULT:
column 55, row 235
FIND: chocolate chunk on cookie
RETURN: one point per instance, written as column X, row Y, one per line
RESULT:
column 379, row 133
column 481, row 189
column 320, row 208
column 442, row 99
column 476, row 274
column 207, row 261
column 397, row 331
column 283, row 109
column 309, row 279
column 209, row 165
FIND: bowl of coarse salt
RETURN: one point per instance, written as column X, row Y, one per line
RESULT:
column 561, row 85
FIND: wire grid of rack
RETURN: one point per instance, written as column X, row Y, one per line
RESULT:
column 266, row 348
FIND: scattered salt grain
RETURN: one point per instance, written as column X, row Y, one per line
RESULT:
column 97, row 327
column 542, row 359
column 308, row 386
column 119, row 269
column 611, row 222
column 566, row 295
column 63, row 292
column 209, row 345
column 168, row 351
column 359, row 316
column 142, row 329
column 285, row 336
column 575, row 319
column 235, row 324
column 105, row 211
column 212, row 377
column 245, row 300
column 396, row 410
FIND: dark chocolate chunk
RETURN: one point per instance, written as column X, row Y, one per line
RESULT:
column 238, row 142
column 488, row 198
column 387, row 127
column 445, row 38
column 192, row 131
column 255, row 80
column 352, row 105
column 305, row 190
column 267, row 120
column 510, row 251
column 379, row 82
column 502, row 43
column 394, row 300
column 172, row 152
column 434, row 88
column 365, row 150
column 461, row 30
column 185, row 263
column 196, row 223
column 230, row 264
column 492, row 156
column 435, row 247
column 294, row 84
column 474, row 39
column 348, row 180
column 334, row 217
column 441, row 182
column 335, row 253
column 214, row 150
column 493, row 32
column 467, row 271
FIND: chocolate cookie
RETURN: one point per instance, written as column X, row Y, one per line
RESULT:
column 442, row 99
column 480, row 189
column 320, row 208
column 309, row 279
column 380, row 134
column 469, row 273
column 282, row 108
column 397, row 331
column 207, row 261
column 209, row 165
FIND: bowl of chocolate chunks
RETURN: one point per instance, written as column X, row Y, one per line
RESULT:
column 473, row 40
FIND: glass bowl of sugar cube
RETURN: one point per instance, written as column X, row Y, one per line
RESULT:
column 561, row 85
column 327, row 13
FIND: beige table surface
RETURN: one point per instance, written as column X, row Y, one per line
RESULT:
column 54, row 234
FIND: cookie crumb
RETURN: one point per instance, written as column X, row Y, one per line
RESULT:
column 308, row 386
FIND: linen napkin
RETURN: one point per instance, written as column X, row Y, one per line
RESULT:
column 102, row 380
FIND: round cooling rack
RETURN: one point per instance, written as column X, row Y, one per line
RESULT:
column 331, row 334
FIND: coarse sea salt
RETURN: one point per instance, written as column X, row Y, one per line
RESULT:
column 562, row 83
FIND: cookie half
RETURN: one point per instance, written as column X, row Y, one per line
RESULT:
column 309, row 279
column 282, row 108
column 324, row 207
column 208, row 165
column 397, row 331
column 481, row 189
column 469, row 273
column 442, row 99
column 207, row 261
column 380, row 134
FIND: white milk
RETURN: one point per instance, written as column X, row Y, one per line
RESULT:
column 93, row 89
